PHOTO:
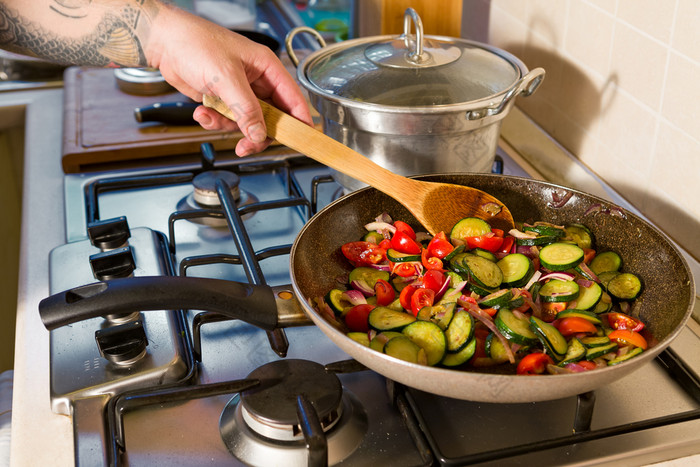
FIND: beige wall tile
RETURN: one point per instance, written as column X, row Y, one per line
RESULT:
column 609, row 6
column 685, row 33
column 589, row 36
column 681, row 104
column 638, row 64
column 652, row 17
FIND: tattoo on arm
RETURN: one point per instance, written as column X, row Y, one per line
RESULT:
column 116, row 39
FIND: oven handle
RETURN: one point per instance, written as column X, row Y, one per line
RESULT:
column 254, row 304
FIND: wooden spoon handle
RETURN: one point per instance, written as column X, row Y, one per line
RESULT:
column 296, row 135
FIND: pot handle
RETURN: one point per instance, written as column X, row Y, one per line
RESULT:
column 254, row 304
column 527, row 85
column 290, row 37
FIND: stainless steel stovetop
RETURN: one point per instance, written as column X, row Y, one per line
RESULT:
column 651, row 415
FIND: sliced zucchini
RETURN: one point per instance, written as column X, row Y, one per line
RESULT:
column 373, row 237
column 484, row 254
column 625, row 286
column 589, row 297
column 541, row 228
column 457, row 263
column 455, row 278
column 398, row 257
column 360, row 337
column 338, row 304
column 440, row 314
column 606, row 277
column 479, row 290
column 385, row 319
column 595, row 352
column 554, row 343
column 499, row 299
column 604, row 305
column 469, row 227
column 575, row 351
column 623, row 358
column 580, row 234
column 536, row 241
column 556, row 290
column 495, row 349
column 587, row 315
column 461, row 357
column 595, row 341
column 514, row 329
column 379, row 341
column 605, row 262
column 560, row 256
column 460, row 331
column 403, row 348
column 369, row 275
column 429, row 337
column 483, row 272
column 457, row 250
column 517, row 269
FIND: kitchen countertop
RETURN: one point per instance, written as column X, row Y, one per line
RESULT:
column 40, row 437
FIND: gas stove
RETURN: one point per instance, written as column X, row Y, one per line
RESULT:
column 190, row 387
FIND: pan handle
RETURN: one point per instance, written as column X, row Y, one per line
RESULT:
column 254, row 304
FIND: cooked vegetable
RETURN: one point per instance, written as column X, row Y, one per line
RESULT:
column 527, row 298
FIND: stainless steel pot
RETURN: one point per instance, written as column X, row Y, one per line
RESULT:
column 414, row 104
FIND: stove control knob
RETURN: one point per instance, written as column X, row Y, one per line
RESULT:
column 123, row 344
column 113, row 264
column 109, row 233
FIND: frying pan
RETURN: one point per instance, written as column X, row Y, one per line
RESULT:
column 316, row 261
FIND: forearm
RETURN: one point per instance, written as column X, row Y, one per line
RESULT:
column 80, row 32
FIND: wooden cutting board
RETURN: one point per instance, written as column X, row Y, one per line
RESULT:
column 99, row 125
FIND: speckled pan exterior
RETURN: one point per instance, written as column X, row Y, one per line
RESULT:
column 666, row 300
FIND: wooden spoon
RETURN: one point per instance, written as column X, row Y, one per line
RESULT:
column 437, row 206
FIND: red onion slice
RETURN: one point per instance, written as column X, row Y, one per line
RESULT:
column 380, row 227
column 562, row 276
column 484, row 317
column 355, row 297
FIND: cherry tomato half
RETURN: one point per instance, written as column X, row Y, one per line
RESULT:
column 406, row 269
column 405, row 228
column 405, row 296
column 533, row 364
column 440, row 246
column 507, row 245
column 433, row 279
column 385, row 292
column 574, row 325
column 420, row 298
column 402, row 242
column 386, row 244
column 363, row 253
column 627, row 337
column 623, row 321
column 357, row 317
column 490, row 242
column 430, row 262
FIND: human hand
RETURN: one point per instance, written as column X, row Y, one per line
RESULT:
column 198, row 57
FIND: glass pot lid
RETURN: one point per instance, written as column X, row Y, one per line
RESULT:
column 412, row 70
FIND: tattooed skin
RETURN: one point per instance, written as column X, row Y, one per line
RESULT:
column 113, row 41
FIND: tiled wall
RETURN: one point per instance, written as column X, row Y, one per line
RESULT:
column 622, row 92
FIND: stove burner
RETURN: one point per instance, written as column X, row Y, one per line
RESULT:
column 205, row 196
column 261, row 426
column 205, row 186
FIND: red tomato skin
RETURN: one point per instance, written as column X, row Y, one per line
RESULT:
column 385, row 292
column 402, row 242
column 627, row 337
column 623, row 321
column 357, row 317
column 422, row 297
column 507, row 245
column 406, row 295
column 533, row 364
column 489, row 242
column 405, row 228
column 404, row 269
column 386, row 244
column 363, row 253
column 439, row 246
column 430, row 262
column 433, row 279
column 574, row 325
